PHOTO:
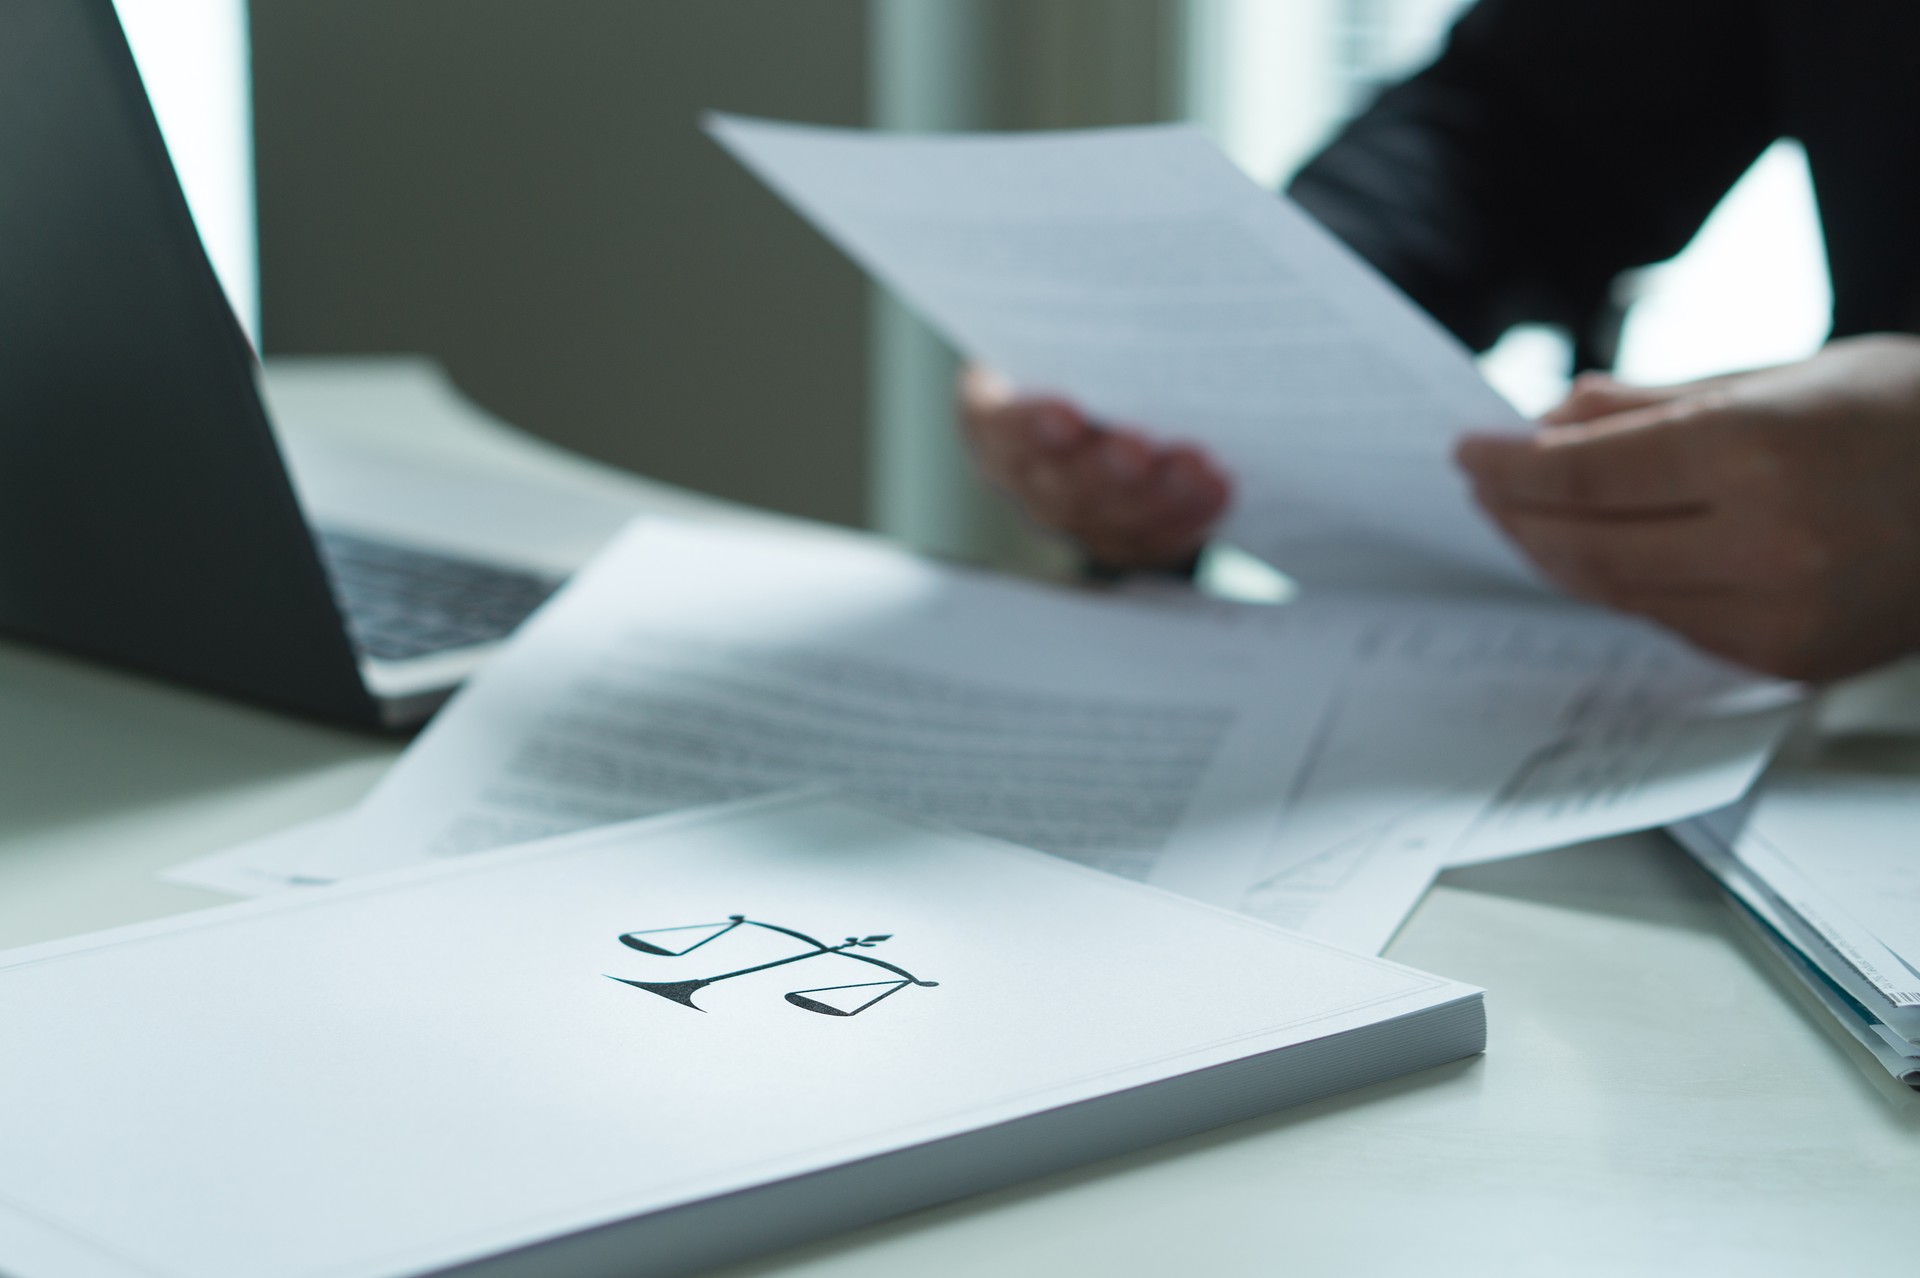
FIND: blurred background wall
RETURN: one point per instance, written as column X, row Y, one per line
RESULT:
column 520, row 189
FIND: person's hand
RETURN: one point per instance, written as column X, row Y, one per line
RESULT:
column 1770, row 517
column 1128, row 502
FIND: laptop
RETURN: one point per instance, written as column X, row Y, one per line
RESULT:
column 146, row 516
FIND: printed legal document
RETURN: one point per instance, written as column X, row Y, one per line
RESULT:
column 1139, row 273
column 699, row 1037
column 689, row 665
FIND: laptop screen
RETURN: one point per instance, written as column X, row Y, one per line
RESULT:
column 145, row 516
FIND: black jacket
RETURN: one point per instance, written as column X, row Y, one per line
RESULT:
column 1556, row 143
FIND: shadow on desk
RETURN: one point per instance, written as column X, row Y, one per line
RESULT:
column 1640, row 877
column 1648, row 879
column 83, row 742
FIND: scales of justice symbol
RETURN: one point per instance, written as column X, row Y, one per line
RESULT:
column 682, row 992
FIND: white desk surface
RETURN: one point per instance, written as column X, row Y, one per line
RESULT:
column 1656, row 1097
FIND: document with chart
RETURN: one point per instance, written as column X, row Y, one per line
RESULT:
column 1471, row 729
column 655, row 1048
column 1139, row 273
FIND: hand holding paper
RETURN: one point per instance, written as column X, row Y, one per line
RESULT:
column 1137, row 274
column 1124, row 499
column 1772, row 517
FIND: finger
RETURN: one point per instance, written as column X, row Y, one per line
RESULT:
column 1183, row 499
column 1595, row 395
column 1129, row 503
column 1009, row 438
column 1111, row 483
column 1191, row 489
column 1656, row 460
column 1731, row 545
column 982, row 401
column 1079, row 491
column 1144, row 549
column 982, row 390
column 1775, row 633
column 989, row 404
column 1721, row 622
column 1601, row 559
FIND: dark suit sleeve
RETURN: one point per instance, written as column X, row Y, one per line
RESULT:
column 1553, row 144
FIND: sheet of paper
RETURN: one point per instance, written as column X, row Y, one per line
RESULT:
column 1835, row 855
column 1673, row 746
column 1474, row 728
column 366, row 442
column 1857, row 840
column 690, row 665
column 1832, row 921
column 1569, row 723
column 264, row 866
column 1436, row 714
column 1470, row 729
column 1755, row 907
column 1139, row 273
column 1358, row 893
column 349, row 486
column 1850, row 971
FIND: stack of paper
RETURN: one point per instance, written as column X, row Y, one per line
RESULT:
column 1827, row 868
column 652, row 1048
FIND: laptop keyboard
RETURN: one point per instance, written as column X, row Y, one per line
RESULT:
column 401, row 602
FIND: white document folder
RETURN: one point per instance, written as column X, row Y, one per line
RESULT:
column 647, row 1049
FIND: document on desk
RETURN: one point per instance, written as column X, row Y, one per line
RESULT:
column 690, row 665
column 1823, row 864
column 1139, row 273
column 651, row 1048
column 1856, row 841
column 1472, row 729
column 1841, row 855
